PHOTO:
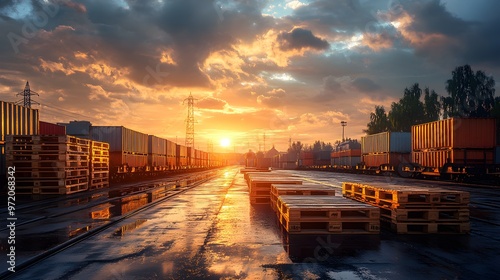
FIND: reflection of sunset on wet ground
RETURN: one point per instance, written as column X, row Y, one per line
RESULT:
column 289, row 69
column 213, row 232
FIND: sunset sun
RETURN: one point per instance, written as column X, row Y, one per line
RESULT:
column 225, row 142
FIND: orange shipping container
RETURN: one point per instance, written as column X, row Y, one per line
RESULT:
column 346, row 153
column 394, row 159
column 437, row 159
column 454, row 133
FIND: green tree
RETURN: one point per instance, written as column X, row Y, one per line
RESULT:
column 321, row 146
column 378, row 121
column 432, row 106
column 408, row 111
column 296, row 148
column 469, row 94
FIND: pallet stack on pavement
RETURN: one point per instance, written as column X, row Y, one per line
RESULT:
column 411, row 210
column 326, row 215
column 49, row 164
column 259, row 187
column 278, row 190
column 99, row 165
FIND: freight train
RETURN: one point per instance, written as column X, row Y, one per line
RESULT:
column 135, row 155
column 455, row 148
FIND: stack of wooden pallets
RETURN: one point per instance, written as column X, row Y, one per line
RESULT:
column 47, row 164
column 408, row 209
column 278, row 190
column 99, row 165
column 301, row 214
column 259, row 187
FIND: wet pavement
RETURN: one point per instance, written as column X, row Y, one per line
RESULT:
column 212, row 232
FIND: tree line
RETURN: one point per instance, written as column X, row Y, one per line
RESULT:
column 470, row 94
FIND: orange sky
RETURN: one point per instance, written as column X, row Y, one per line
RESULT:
column 283, row 69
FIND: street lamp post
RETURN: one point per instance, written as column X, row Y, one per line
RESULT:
column 343, row 123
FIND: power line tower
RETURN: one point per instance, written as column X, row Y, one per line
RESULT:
column 190, row 121
column 26, row 94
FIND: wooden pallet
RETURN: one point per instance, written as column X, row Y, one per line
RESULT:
column 54, row 173
column 260, row 187
column 99, row 145
column 307, row 189
column 51, row 157
column 405, row 196
column 36, row 182
column 20, row 148
column 68, row 189
column 100, row 174
column 39, row 139
column 330, row 227
column 99, row 160
column 99, row 165
column 426, row 215
column 100, row 153
column 47, row 164
column 325, row 208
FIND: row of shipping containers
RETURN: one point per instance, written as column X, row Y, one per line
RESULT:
column 347, row 153
column 136, row 149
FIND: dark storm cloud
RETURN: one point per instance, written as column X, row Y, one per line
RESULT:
column 365, row 84
column 460, row 41
column 299, row 38
column 338, row 16
column 432, row 17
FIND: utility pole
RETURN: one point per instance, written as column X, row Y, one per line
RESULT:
column 343, row 124
column 26, row 94
column 190, row 121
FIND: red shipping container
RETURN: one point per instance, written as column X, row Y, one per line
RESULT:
column 436, row 159
column 394, row 159
column 51, row 129
column 454, row 133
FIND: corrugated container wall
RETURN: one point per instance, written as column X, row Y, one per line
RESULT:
column 17, row 120
column 394, row 159
column 78, row 128
column 157, row 145
column 121, row 139
column 51, row 129
column 455, row 133
column 438, row 158
column 386, row 142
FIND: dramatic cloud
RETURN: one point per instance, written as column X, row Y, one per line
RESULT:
column 365, row 84
column 284, row 68
column 299, row 39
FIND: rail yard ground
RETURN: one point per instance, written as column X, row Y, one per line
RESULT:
column 213, row 232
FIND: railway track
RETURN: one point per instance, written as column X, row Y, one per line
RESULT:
column 92, row 230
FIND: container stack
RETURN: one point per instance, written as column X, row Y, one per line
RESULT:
column 414, row 210
column 346, row 154
column 454, row 141
column 386, row 148
column 99, row 165
column 127, row 147
column 49, row 164
column 157, row 153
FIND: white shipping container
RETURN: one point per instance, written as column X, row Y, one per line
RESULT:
column 121, row 139
column 386, row 142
